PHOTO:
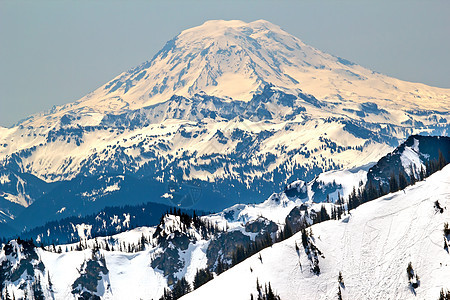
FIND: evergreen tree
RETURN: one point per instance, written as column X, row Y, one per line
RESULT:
column 201, row 277
column 341, row 279
column 7, row 296
column 438, row 207
column 364, row 195
column 339, row 212
column 402, row 180
column 270, row 295
column 339, row 293
column 304, row 238
column 412, row 177
column 142, row 243
column 167, row 295
column 444, row 295
column 221, row 266
column 181, row 288
column 441, row 160
column 323, row 215
column 266, row 294
column 422, row 173
column 238, row 255
column 354, row 197
column 287, row 231
column 393, row 186
column 410, row 271
column 339, row 200
column 411, row 275
column 428, row 169
column 372, row 192
column 333, row 213
column 37, row 289
column 381, row 191
column 50, row 284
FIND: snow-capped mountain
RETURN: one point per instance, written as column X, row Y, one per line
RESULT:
column 372, row 244
column 234, row 59
column 226, row 112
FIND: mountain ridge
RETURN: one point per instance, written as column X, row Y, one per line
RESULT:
column 282, row 130
column 369, row 247
column 180, row 245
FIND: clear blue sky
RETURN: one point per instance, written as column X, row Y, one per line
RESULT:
column 54, row 52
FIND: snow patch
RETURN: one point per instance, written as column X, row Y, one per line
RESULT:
column 4, row 178
column 410, row 158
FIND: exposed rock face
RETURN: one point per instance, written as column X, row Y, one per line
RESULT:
column 23, row 267
column 224, row 245
column 295, row 219
column 262, row 227
column 410, row 158
column 93, row 281
column 296, row 189
column 168, row 260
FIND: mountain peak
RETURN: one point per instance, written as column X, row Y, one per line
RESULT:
column 236, row 60
column 216, row 26
column 227, row 59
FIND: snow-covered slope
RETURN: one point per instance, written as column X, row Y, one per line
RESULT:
column 225, row 104
column 372, row 248
column 234, row 59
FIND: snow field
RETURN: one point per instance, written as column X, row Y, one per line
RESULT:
column 372, row 248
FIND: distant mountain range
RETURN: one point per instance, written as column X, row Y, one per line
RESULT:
column 249, row 243
column 415, row 159
column 226, row 113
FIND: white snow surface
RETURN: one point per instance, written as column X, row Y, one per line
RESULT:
column 278, row 205
column 348, row 179
column 372, row 248
column 410, row 158
column 232, row 60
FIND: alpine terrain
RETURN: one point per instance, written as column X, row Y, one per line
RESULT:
column 237, row 163
column 357, row 253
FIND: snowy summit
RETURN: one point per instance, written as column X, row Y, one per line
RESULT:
column 234, row 59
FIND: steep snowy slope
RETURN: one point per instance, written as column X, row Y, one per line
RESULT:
column 372, row 248
column 234, row 110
